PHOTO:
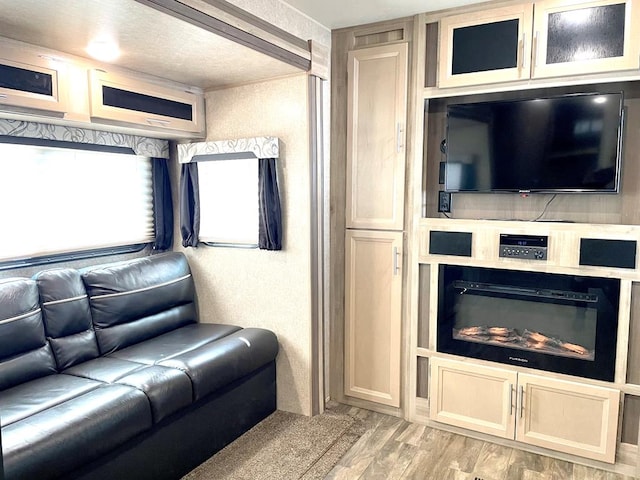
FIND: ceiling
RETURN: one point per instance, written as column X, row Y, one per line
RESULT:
column 150, row 41
column 157, row 43
column 347, row 13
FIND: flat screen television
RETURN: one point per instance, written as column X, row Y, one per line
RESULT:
column 569, row 143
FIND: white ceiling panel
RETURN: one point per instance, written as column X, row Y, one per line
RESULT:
column 150, row 41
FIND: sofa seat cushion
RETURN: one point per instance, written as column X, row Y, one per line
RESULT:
column 55, row 441
column 177, row 342
column 217, row 364
column 168, row 389
column 38, row 395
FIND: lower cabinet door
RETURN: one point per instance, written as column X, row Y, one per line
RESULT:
column 472, row 396
column 568, row 416
column 373, row 313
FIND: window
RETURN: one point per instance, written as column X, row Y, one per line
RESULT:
column 229, row 206
column 56, row 200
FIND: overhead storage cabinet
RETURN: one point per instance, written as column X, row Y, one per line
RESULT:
column 33, row 82
column 121, row 99
column 537, row 40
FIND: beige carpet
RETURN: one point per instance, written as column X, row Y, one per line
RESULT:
column 284, row 446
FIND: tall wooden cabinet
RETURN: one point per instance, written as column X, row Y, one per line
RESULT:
column 375, row 177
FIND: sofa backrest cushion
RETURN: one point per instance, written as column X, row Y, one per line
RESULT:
column 67, row 316
column 136, row 300
column 24, row 351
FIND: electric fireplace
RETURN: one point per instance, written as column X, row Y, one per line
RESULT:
column 560, row 323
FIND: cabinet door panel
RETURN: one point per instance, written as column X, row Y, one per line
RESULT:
column 568, row 417
column 377, row 110
column 485, row 47
column 577, row 38
column 373, row 316
column 32, row 82
column 471, row 396
column 120, row 99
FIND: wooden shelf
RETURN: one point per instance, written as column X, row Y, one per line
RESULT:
column 563, row 250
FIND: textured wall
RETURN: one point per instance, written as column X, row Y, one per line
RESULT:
column 255, row 287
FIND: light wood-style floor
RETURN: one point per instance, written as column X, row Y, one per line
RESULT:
column 392, row 448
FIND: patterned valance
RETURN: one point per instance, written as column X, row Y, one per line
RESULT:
column 148, row 147
column 254, row 147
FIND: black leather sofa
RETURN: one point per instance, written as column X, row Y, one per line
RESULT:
column 106, row 373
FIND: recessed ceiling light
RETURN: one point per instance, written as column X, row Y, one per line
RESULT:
column 103, row 49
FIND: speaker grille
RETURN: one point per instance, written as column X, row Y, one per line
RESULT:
column 450, row 243
column 608, row 253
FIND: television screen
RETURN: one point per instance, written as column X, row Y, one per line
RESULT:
column 569, row 143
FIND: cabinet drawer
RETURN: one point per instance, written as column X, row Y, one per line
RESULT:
column 119, row 99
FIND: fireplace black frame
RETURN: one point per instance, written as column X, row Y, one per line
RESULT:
column 601, row 293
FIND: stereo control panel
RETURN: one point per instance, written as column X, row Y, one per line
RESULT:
column 529, row 247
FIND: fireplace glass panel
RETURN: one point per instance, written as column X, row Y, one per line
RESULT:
column 552, row 328
column 561, row 323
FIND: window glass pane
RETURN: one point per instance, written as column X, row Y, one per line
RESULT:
column 229, row 201
column 55, row 200
column 586, row 34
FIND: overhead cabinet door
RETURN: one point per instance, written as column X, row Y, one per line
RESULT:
column 120, row 99
column 485, row 47
column 32, row 82
column 377, row 111
column 577, row 38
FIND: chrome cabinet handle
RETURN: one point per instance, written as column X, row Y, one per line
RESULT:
column 534, row 50
column 396, row 263
column 524, row 51
column 511, row 405
column 521, row 401
column 399, row 142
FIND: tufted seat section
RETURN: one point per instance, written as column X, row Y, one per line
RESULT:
column 25, row 353
column 138, row 300
column 46, row 415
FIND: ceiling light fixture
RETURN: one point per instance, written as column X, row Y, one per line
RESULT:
column 103, row 49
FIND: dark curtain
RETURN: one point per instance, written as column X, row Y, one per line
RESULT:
column 270, row 225
column 162, row 204
column 189, row 204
